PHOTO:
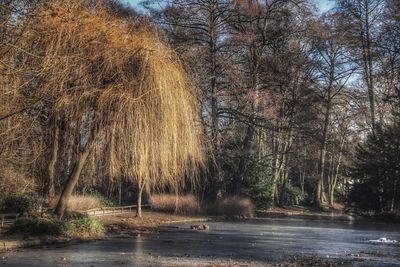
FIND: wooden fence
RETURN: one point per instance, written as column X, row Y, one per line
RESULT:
column 8, row 218
column 105, row 211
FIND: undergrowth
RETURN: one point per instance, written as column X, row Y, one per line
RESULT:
column 74, row 225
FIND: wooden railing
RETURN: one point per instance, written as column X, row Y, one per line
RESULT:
column 10, row 216
column 111, row 210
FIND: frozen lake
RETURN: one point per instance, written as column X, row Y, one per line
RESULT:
column 260, row 241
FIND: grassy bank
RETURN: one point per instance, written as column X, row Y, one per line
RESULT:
column 73, row 225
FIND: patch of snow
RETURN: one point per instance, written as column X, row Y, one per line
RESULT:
column 384, row 240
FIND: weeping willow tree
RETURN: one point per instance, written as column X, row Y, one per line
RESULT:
column 20, row 141
column 123, row 96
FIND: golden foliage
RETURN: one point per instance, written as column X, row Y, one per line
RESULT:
column 175, row 204
column 81, row 203
column 119, row 89
column 20, row 144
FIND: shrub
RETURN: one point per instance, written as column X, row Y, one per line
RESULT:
column 261, row 189
column 175, row 204
column 73, row 215
column 81, row 203
column 234, row 207
column 293, row 196
column 258, row 183
column 376, row 171
column 73, row 225
column 37, row 226
column 85, row 227
column 26, row 203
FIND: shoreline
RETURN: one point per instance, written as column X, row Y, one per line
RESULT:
column 119, row 226
column 329, row 216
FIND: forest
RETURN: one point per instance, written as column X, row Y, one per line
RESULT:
column 271, row 101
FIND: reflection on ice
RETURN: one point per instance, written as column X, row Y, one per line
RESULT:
column 384, row 240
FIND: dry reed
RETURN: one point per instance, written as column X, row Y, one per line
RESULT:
column 80, row 203
column 234, row 207
column 187, row 204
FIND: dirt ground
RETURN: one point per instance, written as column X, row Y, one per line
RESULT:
column 336, row 208
column 128, row 224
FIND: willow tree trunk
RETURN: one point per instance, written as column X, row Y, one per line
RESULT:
column 72, row 181
column 139, row 199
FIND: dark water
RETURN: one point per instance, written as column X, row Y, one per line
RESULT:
column 262, row 241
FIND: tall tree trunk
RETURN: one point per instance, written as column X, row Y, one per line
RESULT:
column 277, row 176
column 72, row 180
column 335, row 174
column 285, row 168
column 215, row 171
column 51, row 169
column 277, row 167
column 394, row 196
column 283, row 185
column 319, row 192
column 302, row 180
column 246, row 147
column 367, row 60
column 215, row 182
column 330, row 175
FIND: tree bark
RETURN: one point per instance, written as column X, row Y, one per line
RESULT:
column 51, row 170
column 318, row 198
column 320, row 191
column 243, row 159
column 365, row 35
column 331, row 175
column 335, row 174
column 139, row 200
column 212, row 42
column 276, row 167
column 302, row 178
column 286, row 168
column 72, row 181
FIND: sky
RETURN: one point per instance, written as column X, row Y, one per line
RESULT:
column 133, row 2
column 324, row 5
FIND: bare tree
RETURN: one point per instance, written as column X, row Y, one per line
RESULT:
column 197, row 29
column 362, row 19
column 334, row 71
